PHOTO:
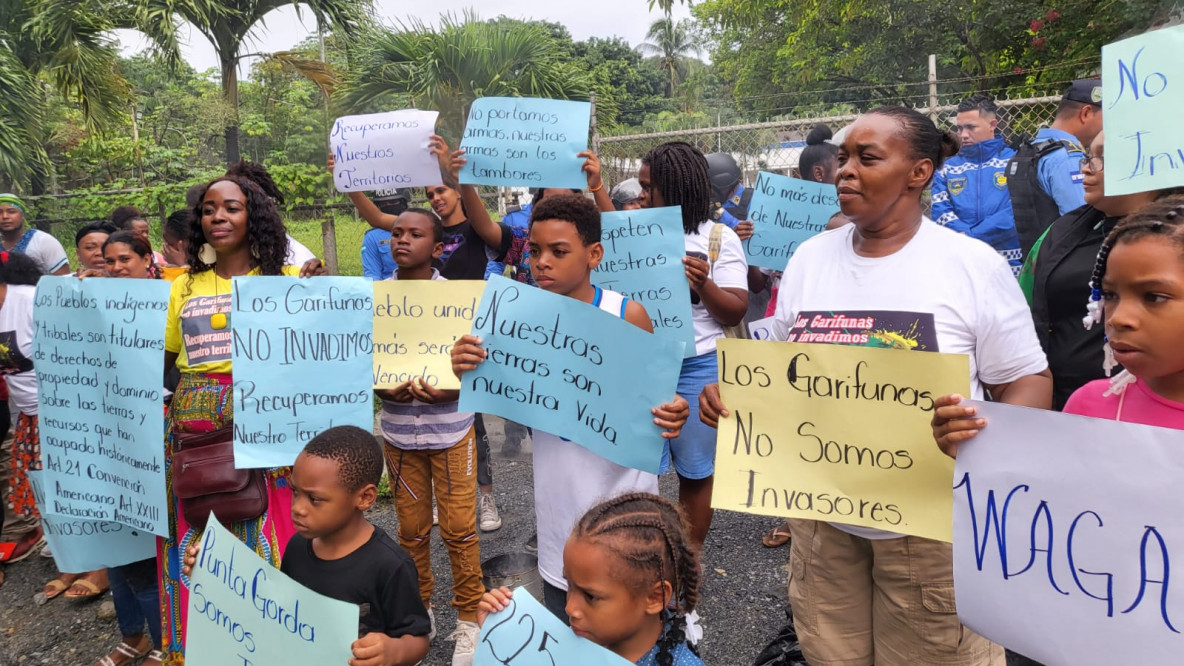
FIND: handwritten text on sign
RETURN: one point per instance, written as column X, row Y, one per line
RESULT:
column 1064, row 532
column 835, row 433
column 381, row 151
column 643, row 252
column 527, row 634
column 244, row 612
column 98, row 351
column 573, row 370
column 1144, row 90
column 303, row 356
column 80, row 545
column 525, row 141
column 415, row 324
column 784, row 212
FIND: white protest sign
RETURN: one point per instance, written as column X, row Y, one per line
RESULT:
column 1064, row 532
column 380, row 151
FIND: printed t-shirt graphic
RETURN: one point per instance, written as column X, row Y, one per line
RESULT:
column 888, row 329
column 12, row 361
column 203, row 342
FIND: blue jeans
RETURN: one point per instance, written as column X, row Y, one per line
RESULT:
column 693, row 451
column 134, row 590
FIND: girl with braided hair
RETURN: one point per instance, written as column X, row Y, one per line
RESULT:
column 632, row 577
column 675, row 174
column 1137, row 292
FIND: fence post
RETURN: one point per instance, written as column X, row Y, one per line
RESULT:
column 933, row 87
column 595, row 128
column 329, row 240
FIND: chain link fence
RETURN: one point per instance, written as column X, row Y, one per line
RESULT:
column 776, row 145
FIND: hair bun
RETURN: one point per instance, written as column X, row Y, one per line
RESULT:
column 950, row 145
column 819, row 134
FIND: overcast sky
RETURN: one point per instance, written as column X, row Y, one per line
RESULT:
column 283, row 29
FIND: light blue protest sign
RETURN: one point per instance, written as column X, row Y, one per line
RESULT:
column 80, row 545
column 525, row 141
column 527, row 634
column 244, row 612
column 98, row 353
column 785, row 212
column 573, row 370
column 643, row 251
column 303, row 353
column 1144, row 88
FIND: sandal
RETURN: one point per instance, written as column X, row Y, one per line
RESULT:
column 58, row 585
column 87, row 584
column 154, row 658
column 26, row 545
column 776, row 537
column 126, row 654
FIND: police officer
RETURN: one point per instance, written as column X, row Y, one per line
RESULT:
column 970, row 189
column 1044, row 178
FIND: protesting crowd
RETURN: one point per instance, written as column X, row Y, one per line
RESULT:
column 1052, row 292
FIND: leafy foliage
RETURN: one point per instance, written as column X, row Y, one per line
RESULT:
column 447, row 68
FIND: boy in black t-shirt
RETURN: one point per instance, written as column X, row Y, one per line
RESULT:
column 338, row 553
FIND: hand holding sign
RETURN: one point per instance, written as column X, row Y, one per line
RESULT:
column 546, row 362
column 785, row 212
column 835, row 433
column 524, row 633
column 525, row 141
column 1064, row 529
column 243, row 612
column 383, row 151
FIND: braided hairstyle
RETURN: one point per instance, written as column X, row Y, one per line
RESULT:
column 266, row 234
column 679, row 171
column 1164, row 217
column 649, row 535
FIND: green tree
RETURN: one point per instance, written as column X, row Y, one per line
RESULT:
column 673, row 44
column 447, row 68
column 67, row 48
column 628, row 86
column 228, row 27
column 872, row 51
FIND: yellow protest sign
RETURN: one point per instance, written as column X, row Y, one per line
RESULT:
column 836, row 433
column 415, row 324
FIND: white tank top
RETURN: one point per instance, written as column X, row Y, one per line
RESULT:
column 569, row 479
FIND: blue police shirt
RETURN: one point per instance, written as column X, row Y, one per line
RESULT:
column 1059, row 172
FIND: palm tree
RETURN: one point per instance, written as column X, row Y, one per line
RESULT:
column 227, row 23
column 66, row 46
column 673, row 45
column 448, row 68
column 667, row 6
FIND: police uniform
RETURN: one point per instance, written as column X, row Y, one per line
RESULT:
column 1044, row 178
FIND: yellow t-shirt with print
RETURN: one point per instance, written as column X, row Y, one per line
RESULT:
column 198, row 328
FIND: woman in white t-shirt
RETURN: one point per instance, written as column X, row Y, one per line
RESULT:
column 860, row 595
column 675, row 174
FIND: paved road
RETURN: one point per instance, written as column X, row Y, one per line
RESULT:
column 743, row 593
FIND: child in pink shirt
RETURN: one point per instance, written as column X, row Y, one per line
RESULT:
column 1137, row 290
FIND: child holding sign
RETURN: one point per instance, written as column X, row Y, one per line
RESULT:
column 568, row 478
column 675, row 174
column 430, row 449
column 338, row 553
column 635, row 577
column 1136, row 287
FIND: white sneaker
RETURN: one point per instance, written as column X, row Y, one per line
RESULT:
column 46, row 552
column 435, row 513
column 466, row 642
column 487, row 515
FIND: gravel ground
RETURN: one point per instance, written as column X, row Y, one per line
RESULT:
column 743, row 592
